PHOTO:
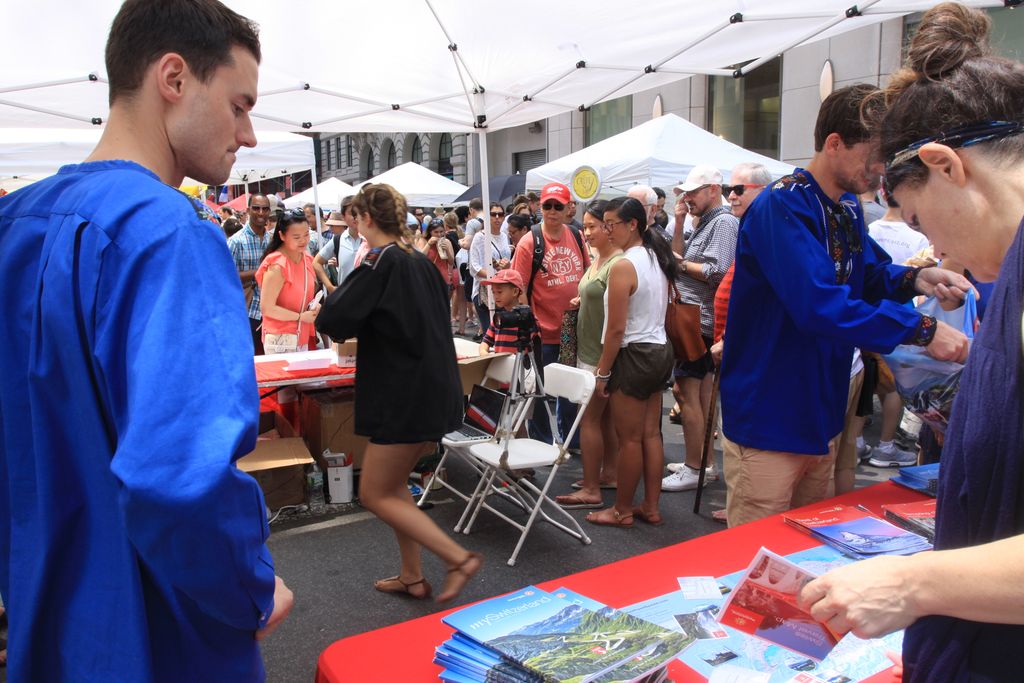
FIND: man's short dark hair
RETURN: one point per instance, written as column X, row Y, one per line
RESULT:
column 519, row 221
column 660, row 192
column 476, row 204
column 254, row 196
column 203, row 32
column 841, row 113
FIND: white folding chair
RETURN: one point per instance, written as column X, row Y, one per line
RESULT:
column 499, row 371
column 499, row 458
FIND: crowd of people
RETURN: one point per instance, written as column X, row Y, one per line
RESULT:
column 800, row 283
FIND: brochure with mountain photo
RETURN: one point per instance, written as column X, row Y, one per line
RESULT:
column 561, row 640
column 856, row 532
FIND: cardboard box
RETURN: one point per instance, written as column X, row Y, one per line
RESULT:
column 328, row 422
column 278, row 465
column 472, row 370
column 346, row 352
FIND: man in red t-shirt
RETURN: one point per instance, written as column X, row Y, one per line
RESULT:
column 554, row 285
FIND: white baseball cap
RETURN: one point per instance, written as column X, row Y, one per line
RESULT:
column 699, row 176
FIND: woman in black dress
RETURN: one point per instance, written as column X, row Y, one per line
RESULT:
column 408, row 391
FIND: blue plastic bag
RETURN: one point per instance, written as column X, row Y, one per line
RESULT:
column 928, row 386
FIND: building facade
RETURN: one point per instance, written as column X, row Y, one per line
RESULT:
column 771, row 110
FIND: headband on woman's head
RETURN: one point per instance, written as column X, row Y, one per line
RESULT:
column 962, row 136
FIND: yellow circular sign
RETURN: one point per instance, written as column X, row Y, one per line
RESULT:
column 586, row 183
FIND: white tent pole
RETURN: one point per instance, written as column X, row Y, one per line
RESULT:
column 485, row 191
column 316, row 203
column 817, row 30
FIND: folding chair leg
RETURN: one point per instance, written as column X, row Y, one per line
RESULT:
column 427, row 485
column 470, row 504
column 486, row 483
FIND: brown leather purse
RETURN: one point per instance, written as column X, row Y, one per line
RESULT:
column 682, row 325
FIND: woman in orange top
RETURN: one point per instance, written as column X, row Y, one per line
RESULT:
column 286, row 281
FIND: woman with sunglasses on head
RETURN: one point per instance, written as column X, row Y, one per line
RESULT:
column 287, row 282
column 956, row 166
column 636, row 360
column 408, row 391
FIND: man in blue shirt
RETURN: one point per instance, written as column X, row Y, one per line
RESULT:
column 247, row 247
column 810, row 285
column 131, row 547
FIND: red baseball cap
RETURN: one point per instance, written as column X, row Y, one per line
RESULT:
column 509, row 276
column 556, row 191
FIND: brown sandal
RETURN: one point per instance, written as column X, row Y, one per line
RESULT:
column 652, row 519
column 459, row 575
column 403, row 588
column 621, row 521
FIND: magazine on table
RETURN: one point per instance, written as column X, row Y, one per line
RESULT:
column 563, row 641
column 856, row 532
column 918, row 517
column 921, row 478
column 764, row 604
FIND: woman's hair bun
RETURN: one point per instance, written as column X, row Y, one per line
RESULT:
column 949, row 35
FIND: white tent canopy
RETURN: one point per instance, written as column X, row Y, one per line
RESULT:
column 421, row 186
column 39, row 152
column 658, row 153
column 330, row 193
column 457, row 79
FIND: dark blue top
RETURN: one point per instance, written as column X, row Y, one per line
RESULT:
column 131, row 547
column 810, row 285
column 981, row 488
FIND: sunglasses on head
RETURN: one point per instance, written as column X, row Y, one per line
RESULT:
column 497, row 214
column 738, row 189
column 552, row 206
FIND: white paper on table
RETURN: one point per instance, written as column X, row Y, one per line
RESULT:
column 730, row 673
column 310, row 360
column 699, row 588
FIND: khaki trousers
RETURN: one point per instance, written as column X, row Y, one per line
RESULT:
column 763, row 483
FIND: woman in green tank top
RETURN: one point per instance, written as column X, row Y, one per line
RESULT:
column 598, row 442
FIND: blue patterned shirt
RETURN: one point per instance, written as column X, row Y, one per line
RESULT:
column 247, row 250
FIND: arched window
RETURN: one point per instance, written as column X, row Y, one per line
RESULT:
column 392, row 158
column 417, row 150
column 366, row 163
column 444, row 156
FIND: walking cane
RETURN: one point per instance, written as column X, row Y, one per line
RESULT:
column 709, row 439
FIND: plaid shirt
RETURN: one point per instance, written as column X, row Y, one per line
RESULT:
column 247, row 251
column 713, row 245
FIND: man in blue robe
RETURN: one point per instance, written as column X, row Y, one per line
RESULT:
column 131, row 547
column 809, row 286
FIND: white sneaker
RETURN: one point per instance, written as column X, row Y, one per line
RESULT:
column 892, row 457
column 683, row 480
column 864, row 452
column 710, row 473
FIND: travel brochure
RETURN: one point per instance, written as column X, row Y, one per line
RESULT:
column 743, row 627
column 857, row 533
column 918, row 517
column 921, row 478
column 558, row 639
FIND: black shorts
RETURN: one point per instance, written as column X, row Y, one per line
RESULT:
column 641, row 370
column 467, row 282
column 696, row 369
column 866, row 402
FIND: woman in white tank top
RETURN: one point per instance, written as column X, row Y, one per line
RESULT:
column 636, row 362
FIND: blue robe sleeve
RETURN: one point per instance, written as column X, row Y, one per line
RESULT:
column 884, row 280
column 171, row 320
column 801, row 272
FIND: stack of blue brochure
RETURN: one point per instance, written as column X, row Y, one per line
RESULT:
column 532, row 636
column 923, row 478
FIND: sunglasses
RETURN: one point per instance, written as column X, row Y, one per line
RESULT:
column 738, row 189
column 497, row 214
column 259, row 208
column 552, row 206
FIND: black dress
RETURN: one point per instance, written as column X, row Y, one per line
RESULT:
column 407, row 381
